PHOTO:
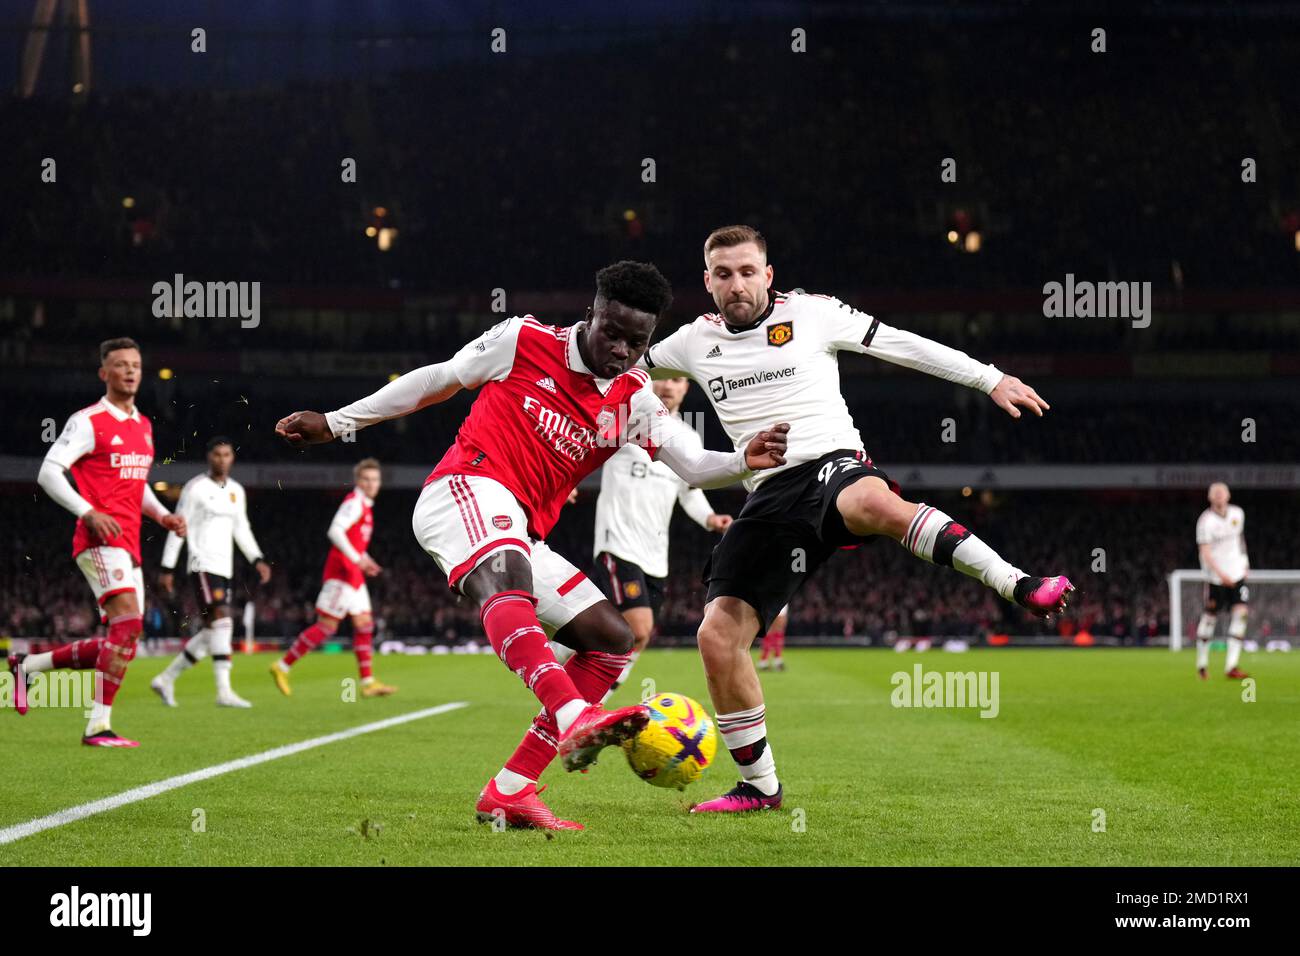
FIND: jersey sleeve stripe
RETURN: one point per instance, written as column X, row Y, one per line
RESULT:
column 871, row 332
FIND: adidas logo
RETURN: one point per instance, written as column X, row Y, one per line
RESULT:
column 547, row 383
column 117, row 440
column 714, row 352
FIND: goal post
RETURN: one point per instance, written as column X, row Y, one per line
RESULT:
column 1186, row 591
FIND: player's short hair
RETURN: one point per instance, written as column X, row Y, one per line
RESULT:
column 638, row 285
column 737, row 235
column 365, row 464
column 112, row 345
column 217, row 440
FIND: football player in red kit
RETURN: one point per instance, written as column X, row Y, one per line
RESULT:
column 554, row 404
column 108, row 448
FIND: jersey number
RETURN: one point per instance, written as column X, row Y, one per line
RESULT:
column 828, row 469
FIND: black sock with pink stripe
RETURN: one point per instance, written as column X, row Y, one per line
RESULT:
column 933, row 536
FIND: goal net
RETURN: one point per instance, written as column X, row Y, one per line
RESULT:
column 1273, row 596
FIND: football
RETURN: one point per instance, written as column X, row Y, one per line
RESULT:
column 676, row 746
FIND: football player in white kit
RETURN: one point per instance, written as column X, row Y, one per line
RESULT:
column 633, row 514
column 215, row 507
column 765, row 352
column 1221, row 541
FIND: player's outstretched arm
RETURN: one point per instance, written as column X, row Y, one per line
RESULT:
column 715, row 469
column 925, row 355
column 413, row 391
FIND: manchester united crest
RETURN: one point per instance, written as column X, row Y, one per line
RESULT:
column 780, row 333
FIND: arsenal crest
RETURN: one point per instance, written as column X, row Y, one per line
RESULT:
column 502, row 522
column 604, row 419
column 780, row 333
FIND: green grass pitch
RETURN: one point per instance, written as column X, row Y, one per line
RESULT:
column 1185, row 772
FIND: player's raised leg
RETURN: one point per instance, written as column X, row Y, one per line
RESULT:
column 868, row 507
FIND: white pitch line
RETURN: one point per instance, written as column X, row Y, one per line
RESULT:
column 136, row 794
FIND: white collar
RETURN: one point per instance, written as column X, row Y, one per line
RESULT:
column 369, row 502
column 117, row 413
column 576, row 363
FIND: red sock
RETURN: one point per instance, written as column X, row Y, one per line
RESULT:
column 593, row 673
column 767, row 646
column 363, row 647
column 115, row 652
column 307, row 640
column 78, row 655
column 778, row 642
column 510, row 622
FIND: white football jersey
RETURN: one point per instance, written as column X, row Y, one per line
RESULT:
column 635, row 507
column 215, row 513
column 784, row 367
column 1226, row 536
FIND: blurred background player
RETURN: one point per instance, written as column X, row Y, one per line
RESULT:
column 633, row 514
column 765, row 350
column 553, row 405
column 215, row 508
column 1221, row 541
column 343, row 592
column 774, row 643
column 108, row 447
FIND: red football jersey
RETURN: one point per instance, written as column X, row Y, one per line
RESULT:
column 109, row 454
column 542, row 422
column 355, row 518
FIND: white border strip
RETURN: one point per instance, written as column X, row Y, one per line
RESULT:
column 135, row 795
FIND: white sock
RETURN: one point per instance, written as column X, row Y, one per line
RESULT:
column 1202, row 653
column 101, row 716
column 745, row 728
column 196, row 648
column 35, row 663
column 222, row 632
column 510, row 783
column 221, row 674
column 1234, row 653
column 567, row 714
column 971, row 556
